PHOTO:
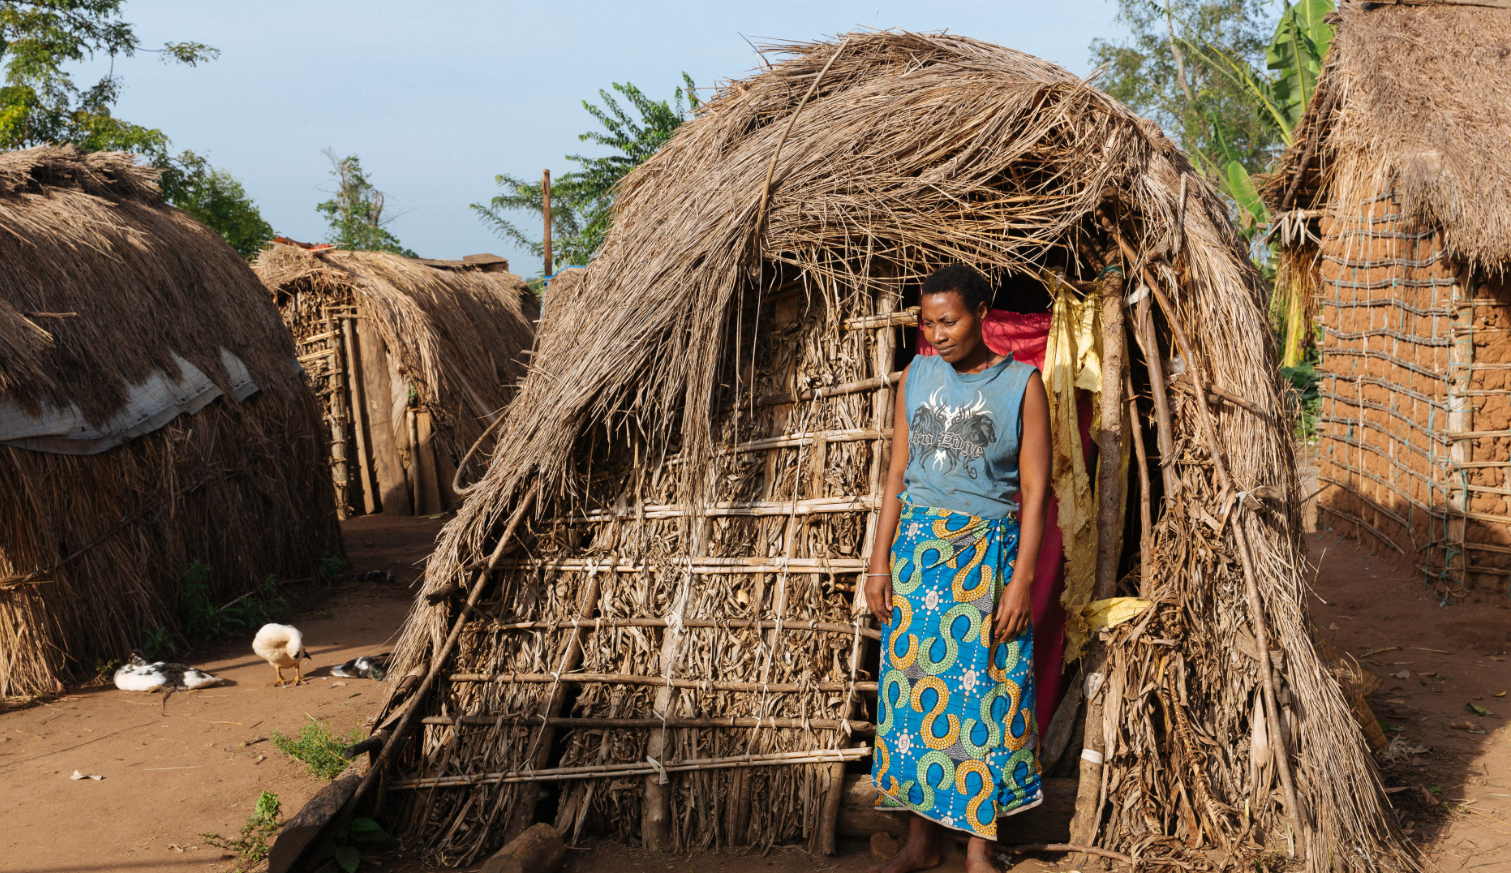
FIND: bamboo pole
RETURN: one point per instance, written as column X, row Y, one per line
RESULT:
column 595, row 722
column 884, row 352
column 1146, row 509
column 798, row 624
column 1461, row 433
column 594, row 771
column 1087, row 819
column 658, row 681
column 545, row 209
column 723, row 508
column 820, row 566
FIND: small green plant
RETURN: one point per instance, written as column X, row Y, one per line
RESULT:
column 159, row 643
column 358, row 830
column 1302, row 387
column 317, row 747
column 203, row 620
column 252, row 846
column 333, row 567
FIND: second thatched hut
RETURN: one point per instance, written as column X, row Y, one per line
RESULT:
column 152, row 417
column 412, row 358
column 647, row 608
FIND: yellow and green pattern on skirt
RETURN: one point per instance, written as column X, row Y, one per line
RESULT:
column 956, row 741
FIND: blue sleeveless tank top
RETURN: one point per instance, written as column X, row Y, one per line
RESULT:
column 964, row 431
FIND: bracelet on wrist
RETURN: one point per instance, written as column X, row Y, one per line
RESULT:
column 869, row 575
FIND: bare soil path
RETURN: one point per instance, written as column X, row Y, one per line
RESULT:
column 199, row 767
column 1450, row 768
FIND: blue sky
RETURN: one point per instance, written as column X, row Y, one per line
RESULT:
column 439, row 97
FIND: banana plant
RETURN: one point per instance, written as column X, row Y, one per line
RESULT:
column 1301, row 41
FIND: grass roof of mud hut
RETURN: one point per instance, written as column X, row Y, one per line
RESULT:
column 852, row 169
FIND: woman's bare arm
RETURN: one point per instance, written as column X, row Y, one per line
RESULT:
column 1015, row 606
column 878, row 588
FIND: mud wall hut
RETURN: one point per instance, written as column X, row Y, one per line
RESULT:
column 412, row 359
column 1395, row 210
column 151, row 415
column 644, row 622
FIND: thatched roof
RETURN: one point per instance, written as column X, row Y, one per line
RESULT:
column 1414, row 100
column 913, row 151
column 88, row 234
column 118, row 314
column 460, row 329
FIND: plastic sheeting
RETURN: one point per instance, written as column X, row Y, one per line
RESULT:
column 149, row 406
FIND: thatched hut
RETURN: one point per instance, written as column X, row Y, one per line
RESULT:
column 1395, row 211
column 151, row 415
column 412, row 359
column 643, row 621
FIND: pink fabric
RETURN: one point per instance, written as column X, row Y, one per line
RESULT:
column 1026, row 337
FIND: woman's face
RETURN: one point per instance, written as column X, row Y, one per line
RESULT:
column 953, row 330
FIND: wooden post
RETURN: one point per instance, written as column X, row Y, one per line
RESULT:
column 1083, row 827
column 881, row 415
column 1460, row 421
column 359, row 417
column 340, row 472
column 429, row 500
column 545, row 203
column 393, row 492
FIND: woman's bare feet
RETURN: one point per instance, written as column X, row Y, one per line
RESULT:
column 981, row 856
column 918, row 853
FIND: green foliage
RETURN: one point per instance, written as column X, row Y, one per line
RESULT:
column 1178, row 67
column 582, row 201
column 40, row 103
column 356, row 831
column 318, row 748
column 252, row 846
column 355, row 211
column 203, row 620
column 216, row 198
column 1304, row 394
column 159, row 643
column 333, row 567
column 1295, row 53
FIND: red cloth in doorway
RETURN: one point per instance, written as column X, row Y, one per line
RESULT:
column 1025, row 336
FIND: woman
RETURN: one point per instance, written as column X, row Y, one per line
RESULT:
column 952, row 578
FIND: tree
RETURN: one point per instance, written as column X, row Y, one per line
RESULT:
column 582, row 201
column 216, row 198
column 355, row 212
column 41, row 103
column 1177, row 68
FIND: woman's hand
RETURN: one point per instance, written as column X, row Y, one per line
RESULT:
column 1015, row 610
column 879, row 597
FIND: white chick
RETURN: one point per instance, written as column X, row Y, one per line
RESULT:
column 282, row 646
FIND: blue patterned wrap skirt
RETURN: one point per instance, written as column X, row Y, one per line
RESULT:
column 956, row 741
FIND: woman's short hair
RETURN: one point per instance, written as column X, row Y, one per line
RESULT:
column 961, row 279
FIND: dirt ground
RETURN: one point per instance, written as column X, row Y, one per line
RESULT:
column 200, row 767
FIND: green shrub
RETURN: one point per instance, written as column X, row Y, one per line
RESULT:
column 252, row 846
column 203, row 620
column 358, row 830
column 318, row 748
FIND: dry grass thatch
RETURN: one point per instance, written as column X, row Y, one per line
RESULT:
column 102, row 285
column 460, row 332
column 702, row 425
column 1414, row 100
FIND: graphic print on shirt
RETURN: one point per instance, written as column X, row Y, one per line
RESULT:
column 942, row 437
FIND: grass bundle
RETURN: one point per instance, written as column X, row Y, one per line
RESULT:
column 691, row 468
